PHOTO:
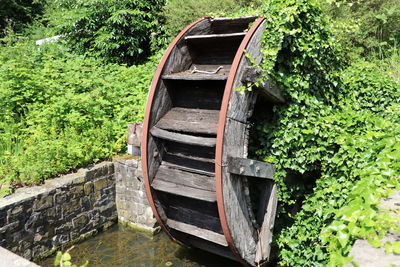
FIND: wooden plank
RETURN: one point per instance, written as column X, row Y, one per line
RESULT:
column 267, row 89
column 226, row 25
column 265, row 236
column 199, row 218
column 215, row 36
column 202, row 94
column 185, row 178
column 241, row 104
column 183, row 138
column 198, row 121
column 195, row 76
column 212, row 67
column 198, row 232
column 187, row 169
column 245, row 19
column 196, row 242
column 203, row 164
column 250, row 167
column 235, row 193
column 201, row 153
column 176, row 201
column 184, row 191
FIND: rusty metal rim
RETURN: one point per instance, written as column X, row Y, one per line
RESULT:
column 153, row 87
column 220, row 138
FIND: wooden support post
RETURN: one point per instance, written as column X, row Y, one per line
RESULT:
column 267, row 89
column 134, row 138
column 249, row 167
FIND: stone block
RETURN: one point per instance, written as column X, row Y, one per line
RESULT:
column 10, row 228
column 80, row 221
column 64, row 228
column 72, row 207
column 60, row 239
column 43, row 203
column 76, row 191
column 38, row 250
column 88, row 188
column 60, row 198
column 35, row 220
column 16, row 211
column 100, row 184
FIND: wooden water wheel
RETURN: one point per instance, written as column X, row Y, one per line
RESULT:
column 203, row 190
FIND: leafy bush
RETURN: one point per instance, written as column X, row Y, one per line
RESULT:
column 60, row 111
column 17, row 13
column 366, row 27
column 180, row 13
column 118, row 31
column 332, row 127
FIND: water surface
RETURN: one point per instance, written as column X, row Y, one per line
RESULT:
column 123, row 247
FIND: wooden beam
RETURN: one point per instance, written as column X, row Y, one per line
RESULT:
column 249, row 167
column 216, row 36
column 267, row 89
column 199, row 232
column 183, row 138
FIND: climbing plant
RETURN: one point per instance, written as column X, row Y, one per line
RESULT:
column 338, row 120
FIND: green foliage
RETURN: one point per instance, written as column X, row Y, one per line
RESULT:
column 180, row 13
column 60, row 111
column 333, row 126
column 64, row 260
column 366, row 27
column 17, row 13
column 117, row 31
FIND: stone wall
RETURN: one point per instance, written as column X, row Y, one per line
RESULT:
column 132, row 205
column 36, row 220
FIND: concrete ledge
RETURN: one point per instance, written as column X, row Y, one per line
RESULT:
column 9, row 259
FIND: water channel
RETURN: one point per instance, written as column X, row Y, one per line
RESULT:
column 123, row 247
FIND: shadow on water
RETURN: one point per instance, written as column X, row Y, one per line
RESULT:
column 123, row 247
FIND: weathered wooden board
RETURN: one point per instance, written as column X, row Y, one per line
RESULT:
column 198, row 232
column 235, row 193
column 204, row 207
column 265, row 235
column 201, row 153
column 186, row 168
column 241, row 104
column 183, row 138
column 250, row 167
column 214, row 51
column 197, row 121
column 226, row 25
column 201, row 164
column 203, row 244
column 196, row 94
column 188, row 76
column 199, row 218
column 240, row 218
column 182, row 190
column 212, row 68
column 215, row 37
column 185, row 178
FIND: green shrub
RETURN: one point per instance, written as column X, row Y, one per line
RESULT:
column 118, row 31
column 331, row 128
column 180, row 13
column 61, row 111
column 366, row 27
column 17, row 13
